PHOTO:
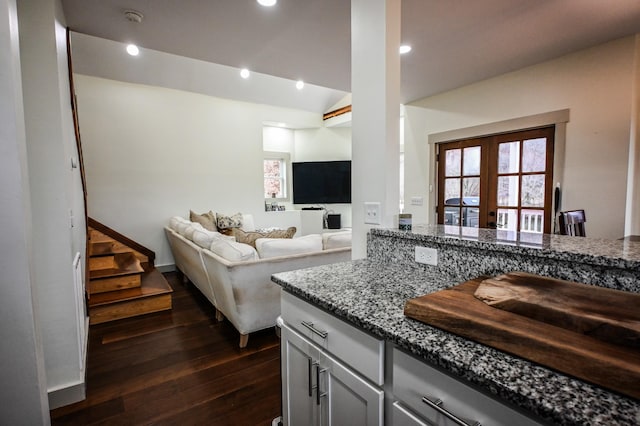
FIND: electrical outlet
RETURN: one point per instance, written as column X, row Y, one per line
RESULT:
column 372, row 213
column 426, row 255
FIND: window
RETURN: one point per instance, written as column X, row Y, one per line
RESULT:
column 276, row 175
column 501, row 181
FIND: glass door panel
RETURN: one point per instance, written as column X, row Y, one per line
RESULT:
column 507, row 219
column 452, row 164
column 534, row 157
column 509, row 157
column 508, row 189
column 532, row 221
column 471, row 161
column 459, row 185
column 533, row 191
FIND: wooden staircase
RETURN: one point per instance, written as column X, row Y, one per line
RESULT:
column 123, row 281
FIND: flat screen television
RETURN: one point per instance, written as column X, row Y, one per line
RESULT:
column 321, row 182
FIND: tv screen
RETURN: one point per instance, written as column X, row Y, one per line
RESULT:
column 321, row 182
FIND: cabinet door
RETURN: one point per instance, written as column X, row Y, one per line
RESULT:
column 299, row 364
column 346, row 398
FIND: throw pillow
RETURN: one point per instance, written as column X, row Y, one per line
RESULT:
column 251, row 237
column 226, row 223
column 207, row 220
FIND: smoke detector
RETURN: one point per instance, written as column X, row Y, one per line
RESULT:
column 133, row 16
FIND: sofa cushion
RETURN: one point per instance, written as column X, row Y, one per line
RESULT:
column 190, row 229
column 226, row 223
column 332, row 240
column 274, row 247
column 182, row 227
column 204, row 238
column 207, row 220
column 233, row 251
column 251, row 237
column 247, row 223
column 175, row 221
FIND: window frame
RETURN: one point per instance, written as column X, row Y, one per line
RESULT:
column 285, row 157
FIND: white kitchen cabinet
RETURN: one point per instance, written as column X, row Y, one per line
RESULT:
column 319, row 390
column 441, row 400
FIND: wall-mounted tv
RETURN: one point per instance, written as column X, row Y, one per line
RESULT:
column 321, row 182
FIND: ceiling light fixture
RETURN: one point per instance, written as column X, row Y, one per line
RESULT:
column 405, row 48
column 245, row 73
column 267, row 3
column 133, row 16
column 133, row 50
column 299, row 84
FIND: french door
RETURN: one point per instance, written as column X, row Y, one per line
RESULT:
column 502, row 181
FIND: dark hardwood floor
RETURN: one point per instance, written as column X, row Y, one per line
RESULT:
column 177, row 367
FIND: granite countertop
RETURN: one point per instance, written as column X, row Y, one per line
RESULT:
column 371, row 296
column 623, row 253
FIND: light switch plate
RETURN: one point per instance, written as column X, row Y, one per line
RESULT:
column 416, row 201
column 372, row 213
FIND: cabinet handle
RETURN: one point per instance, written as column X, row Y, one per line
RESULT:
column 437, row 405
column 310, row 326
column 309, row 363
column 318, row 394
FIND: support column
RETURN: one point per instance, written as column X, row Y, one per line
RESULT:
column 375, row 86
column 632, row 211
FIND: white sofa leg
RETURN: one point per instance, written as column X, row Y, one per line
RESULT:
column 244, row 339
column 219, row 315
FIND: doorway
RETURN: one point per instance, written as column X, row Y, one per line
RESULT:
column 501, row 181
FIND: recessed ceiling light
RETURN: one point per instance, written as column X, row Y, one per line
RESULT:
column 405, row 48
column 299, row 84
column 244, row 73
column 133, row 50
column 267, row 3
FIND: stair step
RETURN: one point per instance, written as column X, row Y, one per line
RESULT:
column 106, row 248
column 103, row 245
column 123, row 264
column 102, row 262
column 122, row 282
column 153, row 295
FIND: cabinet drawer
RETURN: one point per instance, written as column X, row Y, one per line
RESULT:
column 363, row 352
column 413, row 379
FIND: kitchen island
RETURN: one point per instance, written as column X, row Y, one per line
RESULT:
column 370, row 294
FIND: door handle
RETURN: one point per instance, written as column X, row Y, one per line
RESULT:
column 309, row 368
column 314, row 330
column 437, row 405
column 318, row 394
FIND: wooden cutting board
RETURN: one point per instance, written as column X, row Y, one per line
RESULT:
column 565, row 349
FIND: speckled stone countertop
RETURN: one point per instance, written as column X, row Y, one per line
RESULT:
column 371, row 295
column 594, row 251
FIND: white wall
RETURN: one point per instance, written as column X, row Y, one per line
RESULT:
column 152, row 153
column 56, row 193
column 594, row 84
column 23, row 391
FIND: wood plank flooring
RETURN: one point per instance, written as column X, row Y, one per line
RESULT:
column 179, row 367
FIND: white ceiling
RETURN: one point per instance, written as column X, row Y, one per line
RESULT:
column 455, row 42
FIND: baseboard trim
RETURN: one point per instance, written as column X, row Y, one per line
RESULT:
column 166, row 268
column 67, row 395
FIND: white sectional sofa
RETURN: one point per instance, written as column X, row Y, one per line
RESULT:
column 236, row 277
